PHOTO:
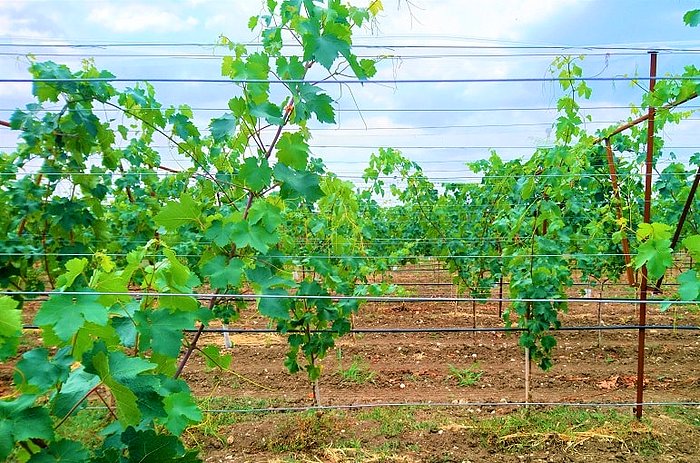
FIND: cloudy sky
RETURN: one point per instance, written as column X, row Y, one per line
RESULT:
column 440, row 125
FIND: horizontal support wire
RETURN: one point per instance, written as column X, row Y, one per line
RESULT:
column 380, row 57
column 450, row 405
column 372, row 110
column 250, row 297
column 367, row 241
column 104, row 45
column 450, row 329
column 326, row 257
column 340, row 129
column 360, row 406
column 429, row 176
column 176, row 80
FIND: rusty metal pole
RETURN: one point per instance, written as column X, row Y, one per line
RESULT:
column 616, row 194
column 647, row 219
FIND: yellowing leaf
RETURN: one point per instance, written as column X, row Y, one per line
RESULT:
column 375, row 6
column 654, row 231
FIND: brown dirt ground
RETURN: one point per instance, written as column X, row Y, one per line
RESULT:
column 411, row 368
column 415, row 368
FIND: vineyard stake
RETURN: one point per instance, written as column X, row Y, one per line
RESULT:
column 500, row 296
column 527, row 377
column 600, row 314
column 647, row 219
column 618, row 201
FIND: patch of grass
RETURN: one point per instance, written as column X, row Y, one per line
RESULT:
column 466, row 376
column 306, row 432
column 685, row 414
column 82, row 425
column 392, row 421
column 213, row 422
column 357, row 373
column 565, row 427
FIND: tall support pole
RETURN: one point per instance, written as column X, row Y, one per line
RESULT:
column 618, row 200
column 647, row 219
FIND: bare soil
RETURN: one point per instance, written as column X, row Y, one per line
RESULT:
column 590, row 367
column 414, row 368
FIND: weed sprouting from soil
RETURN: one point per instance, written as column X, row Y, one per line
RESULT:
column 466, row 376
column 357, row 372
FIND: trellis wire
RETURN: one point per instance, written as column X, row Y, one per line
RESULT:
column 458, row 404
column 105, row 44
column 372, row 110
column 451, row 405
column 175, row 80
column 431, row 330
column 340, row 297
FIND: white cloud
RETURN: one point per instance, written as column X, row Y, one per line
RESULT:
column 136, row 17
column 457, row 20
column 21, row 28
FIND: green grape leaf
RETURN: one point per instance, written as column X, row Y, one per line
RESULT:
column 223, row 272
column 657, row 255
column 119, row 373
column 689, row 285
column 292, row 69
column 178, row 274
column 62, row 451
column 223, row 127
column 272, row 40
column 215, row 359
column 293, row 150
column 298, row 183
column 74, row 268
column 220, row 232
column 161, row 330
column 183, row 127
column 237, row 105
column 10, row 327
column 262, row 278
column 325, row 48
column 67, row 314
column 268, row 111
column 276, row 308
column 147, row 446
column 548, row 342
column 692, row 244
column 255, row 173
column 36, row 373
column 112, row 282
column 73, row 390
column 21, row 421
column 181, row 410
column 175, row 214
column 255, row 236
column 252, row 22
column 177, row 303
column 528, row 188
column 266, row 214
column 311, row 100
column 692, row 18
